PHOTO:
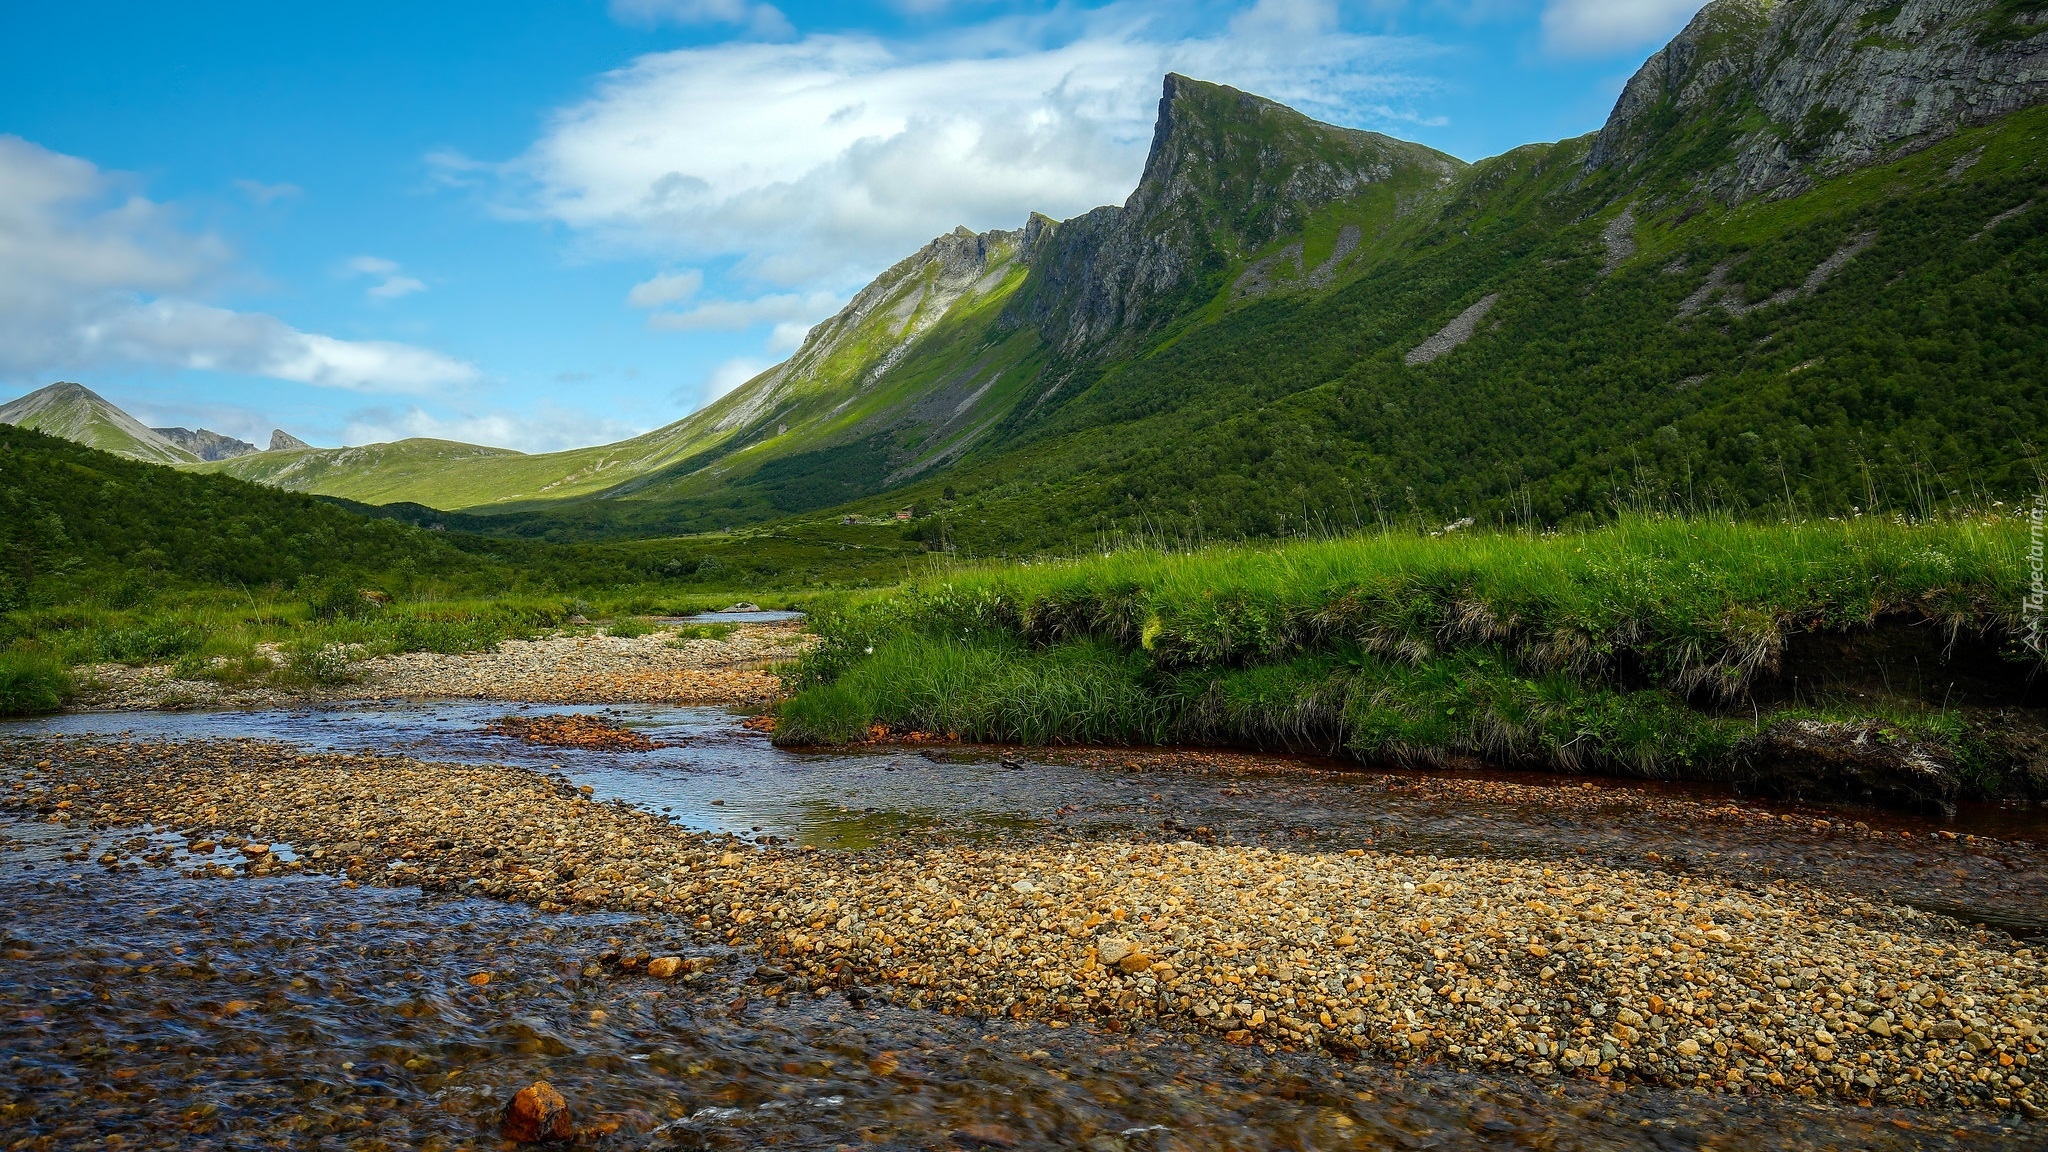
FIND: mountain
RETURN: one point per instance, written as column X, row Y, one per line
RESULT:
column 1800, row 267
column 206, row 444
column 77, row 413
column 283, row 441
column 942, row 348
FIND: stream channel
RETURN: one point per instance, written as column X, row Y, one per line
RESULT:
column 142, row 1009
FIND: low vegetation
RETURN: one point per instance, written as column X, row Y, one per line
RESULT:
column 1655, row 647
column 109, row 560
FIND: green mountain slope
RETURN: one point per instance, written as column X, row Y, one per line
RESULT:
column 75, row 521
column 942, row 349
column 1800, row 266
column 77, row 413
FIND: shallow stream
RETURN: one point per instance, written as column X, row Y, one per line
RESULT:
column 142, row 1009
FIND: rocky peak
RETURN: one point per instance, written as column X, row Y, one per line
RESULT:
column 1228, row 172
column 1762, row 97
column 206, row 443
column 281, row 441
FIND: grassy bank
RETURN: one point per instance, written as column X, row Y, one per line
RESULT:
column 290, row 640
column 1655, row 648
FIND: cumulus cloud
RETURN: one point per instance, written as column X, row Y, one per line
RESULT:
column 92, row 274
column 1588, row 27
column 817, row 162
column 549, row 429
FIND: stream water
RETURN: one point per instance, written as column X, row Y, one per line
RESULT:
column 142, row 1009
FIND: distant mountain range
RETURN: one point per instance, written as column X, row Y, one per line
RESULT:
column 77, row 413
column 1802, row 264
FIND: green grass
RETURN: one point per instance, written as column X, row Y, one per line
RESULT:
column 687, row 632
column 32, row 681
column 1630, row 650
column 628, row 628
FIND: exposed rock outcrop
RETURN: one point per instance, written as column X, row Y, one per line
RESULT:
column 282, row 441
column 206, row 443
column 1228, row 173
column 1454, row 334
column 1800, row 89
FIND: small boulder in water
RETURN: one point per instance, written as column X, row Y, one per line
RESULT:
column 537, row 1113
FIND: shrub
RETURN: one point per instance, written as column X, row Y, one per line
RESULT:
column 629, row 628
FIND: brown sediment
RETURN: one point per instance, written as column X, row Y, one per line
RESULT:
column 573, row 731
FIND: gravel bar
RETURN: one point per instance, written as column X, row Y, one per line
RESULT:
column 1547, row 968
column 569, row 667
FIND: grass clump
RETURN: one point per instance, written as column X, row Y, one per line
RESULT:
column 630, row 628
column 688, row 632
column 32, row 682
column 1083, row 692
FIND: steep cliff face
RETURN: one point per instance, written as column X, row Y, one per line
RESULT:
column 1228, row 174
column 1763, row 97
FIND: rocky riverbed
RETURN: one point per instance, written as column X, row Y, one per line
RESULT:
column 1547, row 968
column 572, row 666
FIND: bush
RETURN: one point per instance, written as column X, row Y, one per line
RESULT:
column 628, row 628
column 700, row 632
column 32, row 682
column 311, row 665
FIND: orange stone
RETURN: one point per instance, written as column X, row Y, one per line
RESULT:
column 537, row 1113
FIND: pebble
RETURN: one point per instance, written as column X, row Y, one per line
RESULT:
column 535, row 1113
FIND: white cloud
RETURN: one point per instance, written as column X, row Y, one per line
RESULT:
column 185, row 334
column 731, row 374
column 818, row 162
column 396, row 286
column 264, row 194
column 550, row 429
column 1587, row 27
column 391, row 284
column 789, row 335
column 764, row 20
column 666, row 288
column 735, row 315
column 94, row 275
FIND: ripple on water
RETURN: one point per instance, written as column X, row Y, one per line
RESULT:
column 149, row 1011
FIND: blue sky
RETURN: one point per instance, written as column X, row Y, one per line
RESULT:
column 546, row 225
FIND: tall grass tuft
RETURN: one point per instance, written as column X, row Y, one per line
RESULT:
column 32, row 681
column 1086, row 692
